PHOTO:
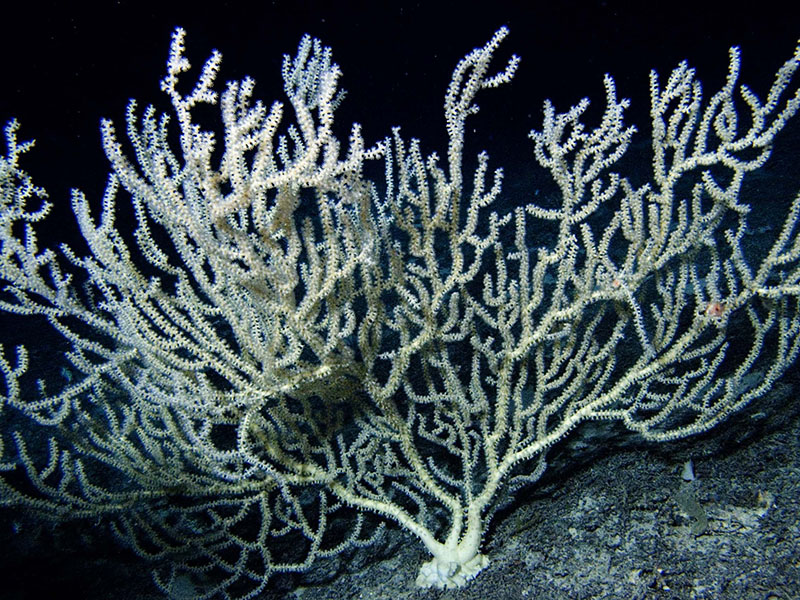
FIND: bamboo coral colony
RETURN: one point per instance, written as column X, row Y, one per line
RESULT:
column 281, row 340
